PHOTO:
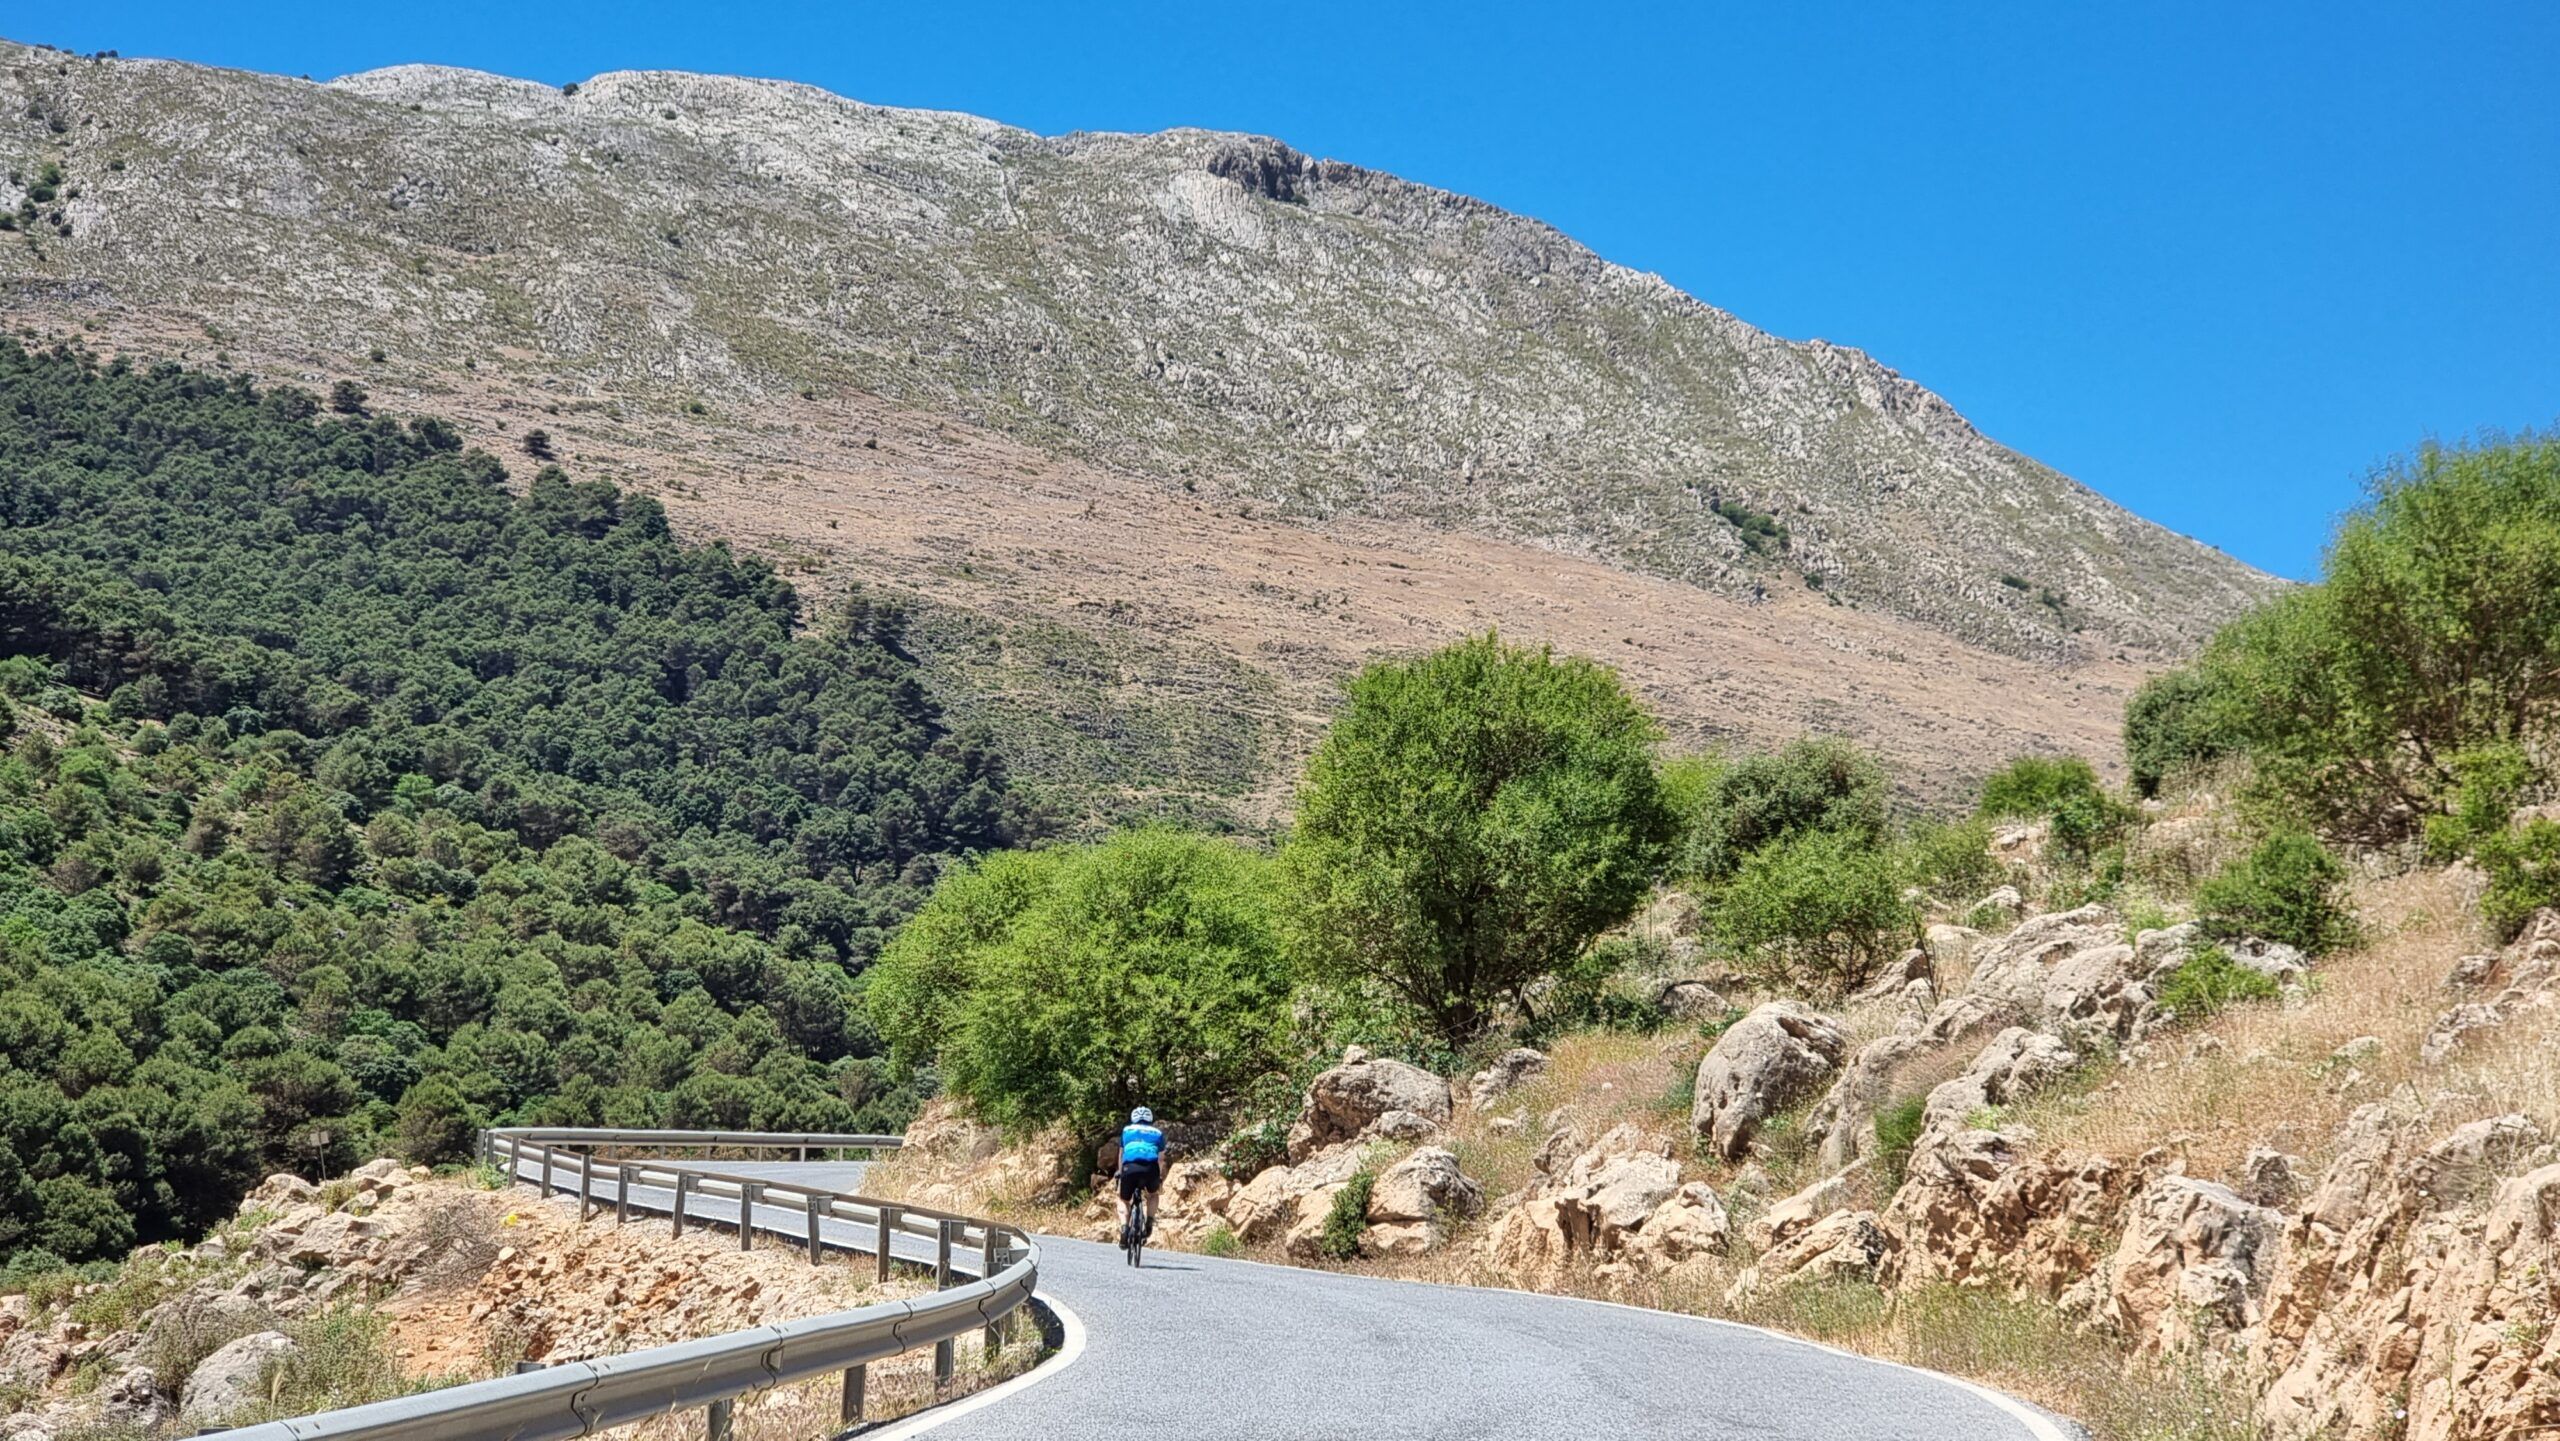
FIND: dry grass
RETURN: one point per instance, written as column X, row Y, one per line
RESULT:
column 2269, row 1074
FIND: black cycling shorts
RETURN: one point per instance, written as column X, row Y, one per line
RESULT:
column 1136, row 1176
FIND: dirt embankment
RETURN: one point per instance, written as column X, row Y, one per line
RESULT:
column 393, row 1280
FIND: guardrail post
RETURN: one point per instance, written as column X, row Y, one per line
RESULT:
column 586, row 1185
column 943, row 1351
column 987, row 1269
column 622, row 1193
column 717, row 1420
column 684, row 1183
column 888, row 1229
column 812, row 1199
column 546, row 1172
column 747, row 1215
column 851, row 1410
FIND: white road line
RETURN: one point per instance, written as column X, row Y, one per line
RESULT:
column 1069, row 1348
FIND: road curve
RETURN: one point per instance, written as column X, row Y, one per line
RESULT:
column 1243, row 1351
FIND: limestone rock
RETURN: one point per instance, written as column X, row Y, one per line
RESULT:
column 2193, row 1265
column 2015, row 1063
column 1692, row 1222
column 1845, row 1245
column 2271, row 1178
column 1769, row 1060
column 233, row 1377
column 1842, row 1124
column 2415, row 1294
column 1690, row 1001
column 1359, row 1099
column 1425, row 1186
column 1507, row 1071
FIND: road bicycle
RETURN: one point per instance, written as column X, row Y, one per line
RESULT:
column 1134, row 1231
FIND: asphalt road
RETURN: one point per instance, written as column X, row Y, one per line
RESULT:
column 1194, row 1346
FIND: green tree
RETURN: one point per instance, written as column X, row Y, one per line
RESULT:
column 436, row 1124
column 2289, row 888
column 1821, row 910
column 2435, row 628
column 1817, row 783
column 1472, row 820
column 1147, row 970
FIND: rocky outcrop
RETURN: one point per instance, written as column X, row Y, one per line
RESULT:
column 2014, row 1065
column 233, row 1378
column 1507, row 1071
column 2409, row 1304
column 1844, row 1245
column 1424, row 1186
column 1842, row 1124
column 1369, row 1098
column 1974, row 1207
column 1620, row 1200
column 1769, row 1060
column 2193, row 1265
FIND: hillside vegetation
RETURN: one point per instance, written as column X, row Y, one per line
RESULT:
column 351, row 801
column 2221, row 1108
column 1163, row 435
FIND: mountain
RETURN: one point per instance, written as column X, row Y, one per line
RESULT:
column 1166, row 431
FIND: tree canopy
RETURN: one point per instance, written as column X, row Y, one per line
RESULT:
column 1472, row 820
column 413, row 804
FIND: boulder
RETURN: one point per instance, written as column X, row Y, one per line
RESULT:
column 1690, row 1001
column 1425, row 1186
column 1949, row 946
column 1842, row 1124
column 2271, row 1178
column 2016, row 1063
column 1360, row 1099
column 1784, row 1220
column 279, row 1191
column 233, row 1377
column 132, row 1400
column 1845, row 1245
column 1766, row 1062
column 2067, row 973
column 2194, row 1264
column 1507, row 1071
column 1692, row 1222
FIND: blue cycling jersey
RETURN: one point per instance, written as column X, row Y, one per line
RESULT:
column 1140, row 1143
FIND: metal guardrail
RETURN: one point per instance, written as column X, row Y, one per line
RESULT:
column 578, row 1398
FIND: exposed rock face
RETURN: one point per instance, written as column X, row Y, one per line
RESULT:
column 2068, row 972
column 1621, row 1198
column 2015, row 1063
column 1369, row 1098
column 2193, row 1265
column 1843, row 1245
column 1769, row 1060
column 233, row 1377
column 1842, row 1123
column 1425, row 1186
column 1507, row 1071
column 1231, row 308
column 2388, row 1300
column 1972, row 1208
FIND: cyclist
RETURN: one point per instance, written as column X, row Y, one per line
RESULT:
column 1141, row 1167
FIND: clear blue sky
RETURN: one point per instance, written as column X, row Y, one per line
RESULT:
column 2214, row 259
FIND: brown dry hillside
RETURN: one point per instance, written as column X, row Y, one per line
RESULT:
column 1162, row 434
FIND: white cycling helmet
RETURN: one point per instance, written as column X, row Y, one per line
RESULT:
column 1142, row 1117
